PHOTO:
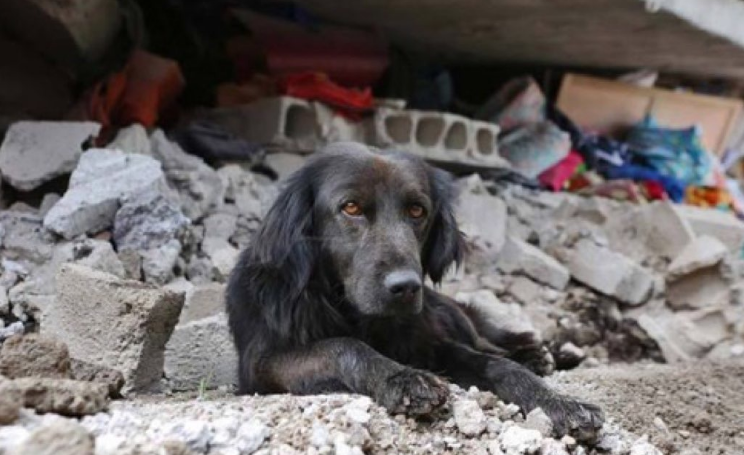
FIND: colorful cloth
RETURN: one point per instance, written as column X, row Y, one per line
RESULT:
column 675, row 153
column 673, row 187
column 709, row 197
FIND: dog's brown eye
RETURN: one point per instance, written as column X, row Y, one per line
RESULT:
column 352, row 209
column 416, row 211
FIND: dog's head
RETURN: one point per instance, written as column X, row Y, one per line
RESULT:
column 373, row 223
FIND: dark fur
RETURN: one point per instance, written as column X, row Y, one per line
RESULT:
column 310, row 314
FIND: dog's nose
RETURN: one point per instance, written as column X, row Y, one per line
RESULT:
column 403, row 283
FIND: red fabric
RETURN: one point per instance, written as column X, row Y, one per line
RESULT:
column 314, row 86
column 654, row 190
column 139, row 93
column 556, row 177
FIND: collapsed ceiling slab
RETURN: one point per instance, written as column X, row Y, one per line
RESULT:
column 621, row 34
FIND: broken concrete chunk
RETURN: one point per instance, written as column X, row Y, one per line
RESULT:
column 203, row 301
column 469, row 417
column 132, row 139
column 148, row 221
column 508, row 316
column 201, row 353
column 122, row 325
column 482, row 218
column 722, row 225
column 200, row 189
column 520, row 257
column 102, row 180
column 609, row 272
column 24, row 238
column 34, row 356
column 687, row 335
column 158, row 263
column 34, row 153
column 60, row 396
column 704, row 251
column 700, row 289
column 655, row 229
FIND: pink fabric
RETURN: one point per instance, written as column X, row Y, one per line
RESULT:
column 555, row 177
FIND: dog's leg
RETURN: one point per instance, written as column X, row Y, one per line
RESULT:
column 349, row 365
column 516, row 384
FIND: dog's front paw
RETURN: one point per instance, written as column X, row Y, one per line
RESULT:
column 579, row 420
column 413, row 392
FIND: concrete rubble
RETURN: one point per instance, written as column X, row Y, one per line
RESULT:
column 123, row 325
column 128, row 266
column 34, row 153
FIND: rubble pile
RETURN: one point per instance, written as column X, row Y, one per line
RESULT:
column 127, row 267
column 477, row 423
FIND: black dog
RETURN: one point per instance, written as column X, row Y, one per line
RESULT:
column 330, row 296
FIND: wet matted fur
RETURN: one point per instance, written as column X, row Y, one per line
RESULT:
column 329, row 297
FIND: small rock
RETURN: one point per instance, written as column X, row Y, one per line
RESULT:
column 15, row 328
column 34, row 355
column 251, row 435
column 516, row 441
column 538, row 420
column 643, row 447
column 470, row 419
column 10, row 407
column 63, row 437
column 4, row 302
column 158, row 264
column 25, row 238
column 358, row 410
column 194, row 433
column 553, row 447
column 569, row 356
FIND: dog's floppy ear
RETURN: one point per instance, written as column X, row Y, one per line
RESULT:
column 284, row 242
column 445, row 244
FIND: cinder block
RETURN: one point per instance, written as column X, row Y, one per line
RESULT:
column 436, row 136
column 287, row 124
column 284, row 121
